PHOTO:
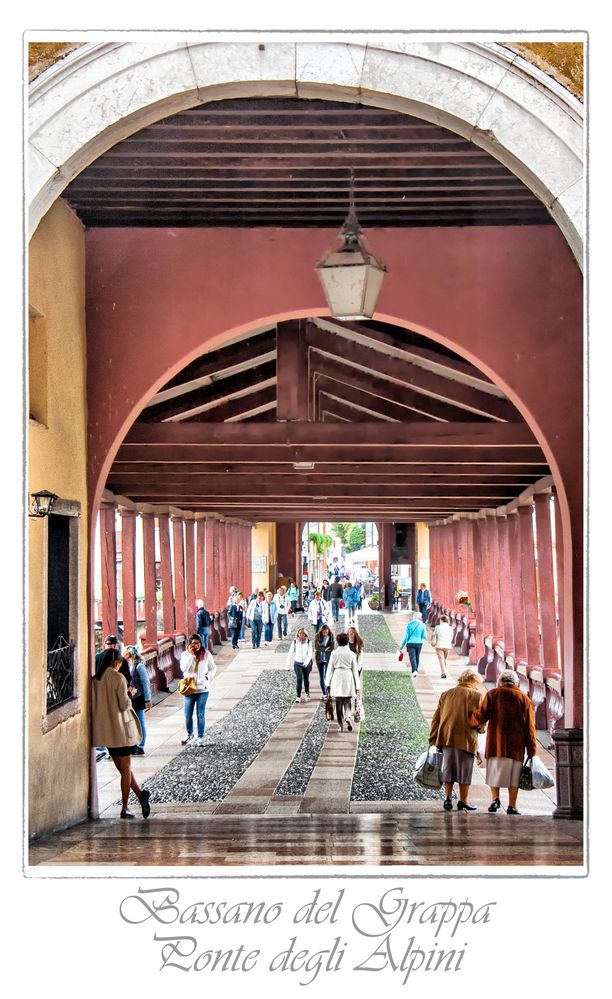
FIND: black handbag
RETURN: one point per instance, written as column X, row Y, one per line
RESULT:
column 526, row 779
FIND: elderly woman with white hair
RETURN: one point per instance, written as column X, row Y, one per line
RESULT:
column 454, row 733
column 511, row 734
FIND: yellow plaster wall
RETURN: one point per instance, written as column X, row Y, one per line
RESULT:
column 422, row 552
column 58, row 760
column 263, row 541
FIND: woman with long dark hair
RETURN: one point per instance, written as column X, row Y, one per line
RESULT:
column 196, row 661
column 324, row 645
column 116, row 726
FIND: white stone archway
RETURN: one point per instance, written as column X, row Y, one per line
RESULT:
column 101, row 93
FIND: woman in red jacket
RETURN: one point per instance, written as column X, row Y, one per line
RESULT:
column 511, row 734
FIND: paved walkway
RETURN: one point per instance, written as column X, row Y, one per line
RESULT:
column 322, row 827
column 329, row 787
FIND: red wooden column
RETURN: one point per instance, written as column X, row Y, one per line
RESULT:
column 200, row 555
column 226, row 569
column 559, row 573
column 190, row 572
column 518, row 610
column 179, row 573
column 485, row 576
column 384, row 555
column 468, row 525
column 546, row 582
column 505, row 583
column 211, row 595
column 496, row 613
column 165, row 563
column 108, row 551
column 477, row 651
column 528, row 576
column 148, row 540
column 128, row 575
column 249, row 559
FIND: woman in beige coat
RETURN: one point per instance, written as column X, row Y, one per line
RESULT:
column 452, row 732
column 116, row 726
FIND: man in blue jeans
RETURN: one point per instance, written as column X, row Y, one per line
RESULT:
column 413, row 639
column 255, row 616
column 335, row 594
column 423, row 600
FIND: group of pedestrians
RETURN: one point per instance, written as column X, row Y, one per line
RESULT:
column 339, row 662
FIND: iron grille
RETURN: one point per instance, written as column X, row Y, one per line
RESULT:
column 60, row 673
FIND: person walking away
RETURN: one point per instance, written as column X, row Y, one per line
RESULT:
column 453, row 732
column 282, row 611
column 342, row 680
column 319, row 612
column 294, row 595
column 414, row 636
column 300, row 656
column 335, row 594
column 197, row 661
column 511, row 734
column 255, row 617
column 397, row 595
column 140, row 690
column 423, row 600
column 356, row 645
column 324, row 646
column 116, row 726
column 268, row 616
column 235, row 614
column 442, row 641
column 351, row 599
column 359, row 593
column 203, row 623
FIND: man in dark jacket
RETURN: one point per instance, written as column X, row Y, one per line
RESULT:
column 423, row 600
column 203, row 622
column 335, row 595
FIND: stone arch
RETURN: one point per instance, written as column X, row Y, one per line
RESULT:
column 101, row 93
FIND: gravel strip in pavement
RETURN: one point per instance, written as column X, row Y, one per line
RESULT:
column 392, row 736
column 209, row 773
column 295, row 779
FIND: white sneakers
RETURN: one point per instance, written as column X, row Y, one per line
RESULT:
column 189, row 738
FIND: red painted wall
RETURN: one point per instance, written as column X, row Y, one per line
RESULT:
column 509, row 299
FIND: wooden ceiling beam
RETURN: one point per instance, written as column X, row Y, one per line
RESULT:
column 302, row 433
column 456, row 472
column 407, row 373
column 220, row 391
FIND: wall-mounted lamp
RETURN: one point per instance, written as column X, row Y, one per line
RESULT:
column 42, row 503
column 351, row 277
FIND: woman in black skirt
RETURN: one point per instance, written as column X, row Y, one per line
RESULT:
column 116, row 726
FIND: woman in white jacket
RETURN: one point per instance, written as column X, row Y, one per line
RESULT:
column 301, row 656
column 442, row 641
column 319, row 612
column 197, row 662
column 342, row 680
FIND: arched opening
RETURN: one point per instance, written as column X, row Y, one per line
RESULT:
column 453, row 285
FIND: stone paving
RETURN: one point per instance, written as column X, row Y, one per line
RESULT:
column 287, row 776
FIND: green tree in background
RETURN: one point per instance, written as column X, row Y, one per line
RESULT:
column 355, row 538
column 352, row 536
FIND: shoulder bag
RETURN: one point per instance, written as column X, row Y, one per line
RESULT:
column 187, row 685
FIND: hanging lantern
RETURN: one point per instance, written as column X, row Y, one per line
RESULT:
column 351, row 276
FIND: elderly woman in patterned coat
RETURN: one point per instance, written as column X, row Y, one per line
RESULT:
column 511, row 734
